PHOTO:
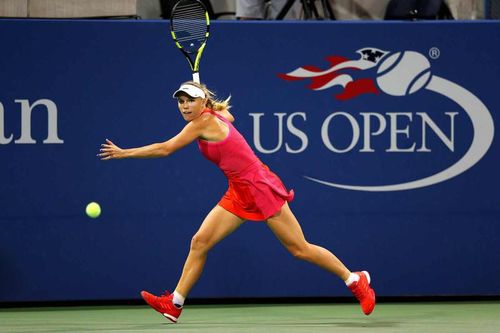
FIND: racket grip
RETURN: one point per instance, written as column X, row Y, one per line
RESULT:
column 196, row 77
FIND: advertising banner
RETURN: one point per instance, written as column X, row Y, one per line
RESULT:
column 386, row 132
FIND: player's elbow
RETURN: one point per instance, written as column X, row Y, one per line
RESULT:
column 228, row 116
column 164, row 150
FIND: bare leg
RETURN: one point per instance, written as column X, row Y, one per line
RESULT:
column 218, row 224
column 287, row 229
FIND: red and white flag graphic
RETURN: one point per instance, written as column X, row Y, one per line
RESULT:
column 335, row 76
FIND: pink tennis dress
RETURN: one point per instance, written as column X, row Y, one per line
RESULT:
column 254, row 192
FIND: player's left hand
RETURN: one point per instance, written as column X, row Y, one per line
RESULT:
column 110, row 151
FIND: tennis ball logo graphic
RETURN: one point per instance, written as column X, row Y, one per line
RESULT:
column 404, row 73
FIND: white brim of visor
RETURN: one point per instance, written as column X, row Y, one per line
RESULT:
column 190, row 90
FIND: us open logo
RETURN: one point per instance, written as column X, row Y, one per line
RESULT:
column 399, row 75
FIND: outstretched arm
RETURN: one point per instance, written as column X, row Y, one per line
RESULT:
column 190, row 133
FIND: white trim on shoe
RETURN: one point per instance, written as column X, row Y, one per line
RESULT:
column 170, row 317
column 367, row 276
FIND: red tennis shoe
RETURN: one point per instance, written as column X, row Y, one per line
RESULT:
column 363, row 292
column 163, row 305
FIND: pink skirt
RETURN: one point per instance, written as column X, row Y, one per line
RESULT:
column 257, row 195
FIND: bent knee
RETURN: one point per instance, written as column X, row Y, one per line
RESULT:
column 199, row 243
column 302, row 252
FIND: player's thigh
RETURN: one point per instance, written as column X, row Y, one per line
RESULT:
column 286, row 228
column 216, row 226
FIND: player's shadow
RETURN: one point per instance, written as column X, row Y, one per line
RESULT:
column 309, row 324
column 370, row 324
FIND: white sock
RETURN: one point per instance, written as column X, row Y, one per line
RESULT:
column 178, row 299
column 352, row 278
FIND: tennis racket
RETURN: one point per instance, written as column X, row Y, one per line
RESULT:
column 190, row 24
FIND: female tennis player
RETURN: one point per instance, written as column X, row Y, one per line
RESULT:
column 254, row 193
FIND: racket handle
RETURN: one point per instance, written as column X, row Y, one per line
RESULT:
column 196, row 77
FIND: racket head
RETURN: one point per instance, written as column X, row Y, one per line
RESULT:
column 190, row 27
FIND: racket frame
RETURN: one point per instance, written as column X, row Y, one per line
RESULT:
column 194, row 64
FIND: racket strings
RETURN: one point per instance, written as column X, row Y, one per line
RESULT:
column 189, row 8
column 189, row 24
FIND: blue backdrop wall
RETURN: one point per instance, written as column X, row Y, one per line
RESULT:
column 384, row 130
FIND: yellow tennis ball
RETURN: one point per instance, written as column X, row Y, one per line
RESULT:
column 93, row 210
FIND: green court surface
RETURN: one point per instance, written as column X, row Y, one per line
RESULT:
column 388, row 317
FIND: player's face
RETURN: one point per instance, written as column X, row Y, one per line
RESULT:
column 190, row 107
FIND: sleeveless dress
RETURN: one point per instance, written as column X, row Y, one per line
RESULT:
column 254, row 192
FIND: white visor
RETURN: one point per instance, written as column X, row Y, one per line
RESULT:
column 191, row 90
